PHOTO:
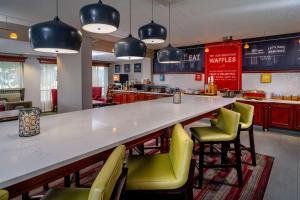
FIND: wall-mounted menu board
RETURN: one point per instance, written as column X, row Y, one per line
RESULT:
column 193, row 61
column 272, row 54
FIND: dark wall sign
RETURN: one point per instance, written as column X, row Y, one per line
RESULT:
column 127, row 68
column 117, row 69
column 273, row 55
column 193, row 61
column 137, row 67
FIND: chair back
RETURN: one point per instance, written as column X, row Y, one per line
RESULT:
column 97, row 93
column 54, row 97
column 106, row 180
column 228, row 121
column 246, row 111
column 3, row 195
column 181, row 151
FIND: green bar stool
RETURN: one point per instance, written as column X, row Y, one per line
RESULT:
column 247, row 116
column 160, row 176
column 4, row 195
column 225, row 132
column 108, row 184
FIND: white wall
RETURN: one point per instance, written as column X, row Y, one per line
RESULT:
column 32, row 81
column 145, row 74
column 182, row 81
column 282, row 83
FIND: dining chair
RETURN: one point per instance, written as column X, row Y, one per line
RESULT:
column 108, row 185
column 246, row 122
column 4, row 195
column 225, row 132
column 161, row 176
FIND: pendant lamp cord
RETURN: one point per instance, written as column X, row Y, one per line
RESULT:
column 57, row 8
column 170, row 22
column 130, row 16
column 152, row 9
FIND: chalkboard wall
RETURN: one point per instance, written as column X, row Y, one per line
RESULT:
column 193, row 61
column 272, row 54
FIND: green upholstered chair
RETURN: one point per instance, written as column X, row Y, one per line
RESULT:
column 247, row 116
column 225, row 132
column 159, row 175
column 107, row 185
column 3, row 195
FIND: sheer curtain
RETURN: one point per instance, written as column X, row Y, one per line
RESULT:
column 100, row 78
column 48, row 82
column 11, row 75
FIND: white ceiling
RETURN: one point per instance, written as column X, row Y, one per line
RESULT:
column 194, row 21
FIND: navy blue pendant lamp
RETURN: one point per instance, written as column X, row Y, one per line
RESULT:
column 99, row 18
column 170, row 55
column 55, row 36
column 130, row 48
column 153, row 33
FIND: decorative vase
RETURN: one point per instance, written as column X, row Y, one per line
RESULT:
column 29, row 122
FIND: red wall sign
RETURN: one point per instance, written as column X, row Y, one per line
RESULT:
column 224, row 63
column 198, row 77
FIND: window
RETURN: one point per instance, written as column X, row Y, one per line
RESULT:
column 100, row 78
column 11, row 75
column 48, row 82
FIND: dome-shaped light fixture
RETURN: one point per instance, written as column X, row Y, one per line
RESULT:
column 170, row 55
column 55, row 37
column 153, row 33
column 99, row 18
column 130, row 48
column 206, row 50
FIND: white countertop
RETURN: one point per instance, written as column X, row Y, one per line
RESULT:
column 68, row 137
column 139, row 91
column 269, row 101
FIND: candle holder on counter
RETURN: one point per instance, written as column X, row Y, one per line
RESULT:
column 177, row 96
column 29, row 122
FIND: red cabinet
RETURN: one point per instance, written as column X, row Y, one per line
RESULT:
column 150, row 96
column 117, row 98
column 140, row 97
column 297, row 117
column 131, row 97
column 280, row 116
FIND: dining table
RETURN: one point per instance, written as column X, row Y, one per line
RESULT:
column 69, row 142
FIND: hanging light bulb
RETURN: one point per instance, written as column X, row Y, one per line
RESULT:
column 206, row 50
column 170, row 55
column 55, row 36
column 299, row 40
column 13, row 35
column 246, row 46
column 130, row 48
column 153, row 33
column 99, row 18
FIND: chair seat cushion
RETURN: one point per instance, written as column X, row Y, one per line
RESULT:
column 214, row 121
column 151, row 172
column 210, row 134
column 67, row 193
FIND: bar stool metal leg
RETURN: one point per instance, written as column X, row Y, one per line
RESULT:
column 201, row 164
column 252, row 146
column 238, row 162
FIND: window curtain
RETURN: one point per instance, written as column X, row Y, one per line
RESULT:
column 100, row 78
column 11, row 75
column 48, row 82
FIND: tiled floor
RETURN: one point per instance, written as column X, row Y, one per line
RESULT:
column 284, row 146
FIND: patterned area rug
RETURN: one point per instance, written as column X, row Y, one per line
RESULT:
column 218, row 184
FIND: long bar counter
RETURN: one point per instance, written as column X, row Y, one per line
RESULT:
column 66, row 139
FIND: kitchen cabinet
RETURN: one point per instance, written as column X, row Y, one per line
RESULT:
column 117, row 98
column 280, row 116
column 297, row 117
column 150, row 96
column 131, row 97
column 140, row 97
